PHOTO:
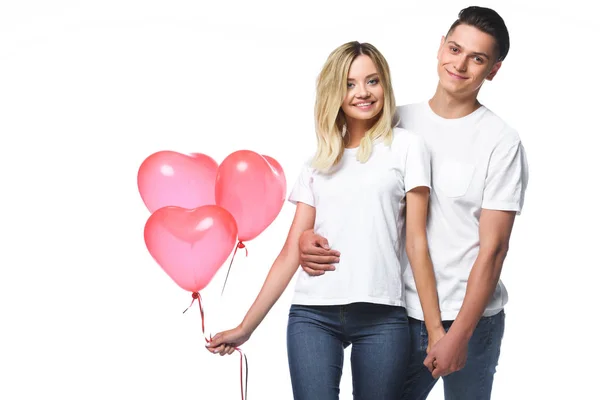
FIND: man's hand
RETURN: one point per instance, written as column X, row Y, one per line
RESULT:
column 315, row 255
column 448, row 355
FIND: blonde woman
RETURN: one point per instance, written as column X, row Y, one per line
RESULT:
column 365, row 183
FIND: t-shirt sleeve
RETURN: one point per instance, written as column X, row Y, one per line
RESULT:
column 417, row 171
column 302, row 190
column 507, row 177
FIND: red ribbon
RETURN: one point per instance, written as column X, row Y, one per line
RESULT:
column 240, row 245
column 243, row 388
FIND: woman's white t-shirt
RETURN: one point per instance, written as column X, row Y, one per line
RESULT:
column 360, row 210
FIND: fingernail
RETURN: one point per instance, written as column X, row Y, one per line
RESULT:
column 337, row 260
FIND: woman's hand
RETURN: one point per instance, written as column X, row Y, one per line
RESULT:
column 226, row 342
column 434, row 336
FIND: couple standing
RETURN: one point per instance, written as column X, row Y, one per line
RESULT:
column 417, row 204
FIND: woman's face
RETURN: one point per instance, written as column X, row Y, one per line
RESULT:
column 364, row 98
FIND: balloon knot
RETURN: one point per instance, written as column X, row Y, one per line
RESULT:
column 195, row 295
column 241, row 245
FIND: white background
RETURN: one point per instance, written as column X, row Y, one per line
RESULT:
column 89, row 89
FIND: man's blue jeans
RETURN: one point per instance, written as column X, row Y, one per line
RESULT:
column 318, row 335
column 474, row 381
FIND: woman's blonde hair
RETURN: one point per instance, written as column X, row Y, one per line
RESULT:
column 331, row 91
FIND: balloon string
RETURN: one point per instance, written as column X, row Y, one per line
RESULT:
column 240, row 245
column 196, row 296
column 243, row 387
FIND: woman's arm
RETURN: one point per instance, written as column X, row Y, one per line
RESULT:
column 417, row 249
column 281, row 273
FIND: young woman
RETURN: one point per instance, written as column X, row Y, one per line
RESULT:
column 367, row 190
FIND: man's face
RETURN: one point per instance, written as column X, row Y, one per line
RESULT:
column 467, row 57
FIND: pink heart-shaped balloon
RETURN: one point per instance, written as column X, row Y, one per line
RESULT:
column 168, row 178
column 251, row 189
column 278, row 171
column 190, row 245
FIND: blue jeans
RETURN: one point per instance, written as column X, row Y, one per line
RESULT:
column 474, row 381
column 318, row 335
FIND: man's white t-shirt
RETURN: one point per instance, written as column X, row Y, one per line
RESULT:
column 478, row 162
column 360, row 210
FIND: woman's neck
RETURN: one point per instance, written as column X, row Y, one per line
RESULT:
column 356, row 129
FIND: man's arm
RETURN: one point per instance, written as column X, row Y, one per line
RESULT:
column 450, row 353
column 315, row 255
column 495, row 228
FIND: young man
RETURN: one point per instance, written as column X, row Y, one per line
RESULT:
column 479, row 175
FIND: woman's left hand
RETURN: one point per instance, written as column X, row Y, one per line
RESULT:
column 434, row 337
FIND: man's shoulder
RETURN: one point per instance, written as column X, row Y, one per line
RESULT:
column 410, row 107
column 497, row 129
column 406, row 111
column 406, row 135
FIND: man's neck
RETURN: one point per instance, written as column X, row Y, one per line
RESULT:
column 451, row 107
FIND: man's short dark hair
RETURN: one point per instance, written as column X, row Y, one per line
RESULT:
column 488, row 21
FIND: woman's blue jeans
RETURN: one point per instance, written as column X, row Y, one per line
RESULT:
column 318, row 335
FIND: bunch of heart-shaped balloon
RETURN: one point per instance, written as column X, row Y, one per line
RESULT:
column 201, row 210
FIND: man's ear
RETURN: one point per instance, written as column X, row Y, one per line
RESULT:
column 494, row 71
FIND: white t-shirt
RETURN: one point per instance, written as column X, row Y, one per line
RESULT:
column 359, row 209
column 478, row 162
